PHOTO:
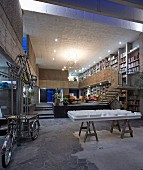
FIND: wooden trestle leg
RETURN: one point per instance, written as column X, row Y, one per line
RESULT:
column 88, row 130
column 126, row 123
column 115, row 123
column 83, row 127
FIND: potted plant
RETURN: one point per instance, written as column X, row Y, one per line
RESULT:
column 65, row 101
column 57, row 99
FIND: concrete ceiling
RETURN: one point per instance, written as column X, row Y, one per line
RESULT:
column 133, row 3
column 3, row 60
column 123, row 9
column 85, row 39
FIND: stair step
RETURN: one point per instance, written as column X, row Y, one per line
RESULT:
column 46, row 116
column 111, row 95
column 43, row 108
column 125, row 87
column 104, row 100
column 112, row 92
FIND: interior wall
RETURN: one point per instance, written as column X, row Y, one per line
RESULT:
column 51, row 74
column 65, row 91
column 13, row 12
column 31, row 54
column 108, row 74
column 11, row 25
column 11, row 33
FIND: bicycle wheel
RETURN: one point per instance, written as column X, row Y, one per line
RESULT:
column 35, row 129
column 7, row 150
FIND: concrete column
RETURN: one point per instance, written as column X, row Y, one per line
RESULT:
column 141, row 67
column 141, row 51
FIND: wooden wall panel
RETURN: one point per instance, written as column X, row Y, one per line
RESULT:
column 51, row 74
column 108, row 74
column 58, row 84
column 31, row 54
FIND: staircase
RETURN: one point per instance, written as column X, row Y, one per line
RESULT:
column 112, row 93
column 45, row 112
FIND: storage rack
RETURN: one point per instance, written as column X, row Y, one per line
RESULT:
column 20, row 71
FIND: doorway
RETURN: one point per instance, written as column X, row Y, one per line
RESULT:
column 50, row 95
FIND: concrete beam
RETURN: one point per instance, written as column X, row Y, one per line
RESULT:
column 56, row 10
column 132, row 3
column 102, row 7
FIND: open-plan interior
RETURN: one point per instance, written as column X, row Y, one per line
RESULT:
column 71, row 83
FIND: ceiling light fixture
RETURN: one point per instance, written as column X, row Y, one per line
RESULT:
column 55, row 51
column 120, row 42
column 109, row 51
column 53, row 59
column 72, row 65
column 56, row 39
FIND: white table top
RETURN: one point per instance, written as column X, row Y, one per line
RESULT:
column 102, row 115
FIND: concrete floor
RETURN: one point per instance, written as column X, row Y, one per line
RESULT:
column 59, row 147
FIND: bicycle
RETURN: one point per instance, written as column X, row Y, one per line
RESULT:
column 16, row 129
column 8, row 144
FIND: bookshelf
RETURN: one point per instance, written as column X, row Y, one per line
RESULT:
column 114, row 61
column 133, row 101
column 133, row 59
column 98, row 89
column 126, row 60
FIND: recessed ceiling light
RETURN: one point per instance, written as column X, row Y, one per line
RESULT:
column 82, row 68
column 64, row 66
column 54, row 51
column 89, row 65
column 93, row 61
column 109, row 51
column 56, row 39
column 120, row 42
column 53, row 59
column 100, row 57
column 62, row 69
column 85, row 68
column 75, row 70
